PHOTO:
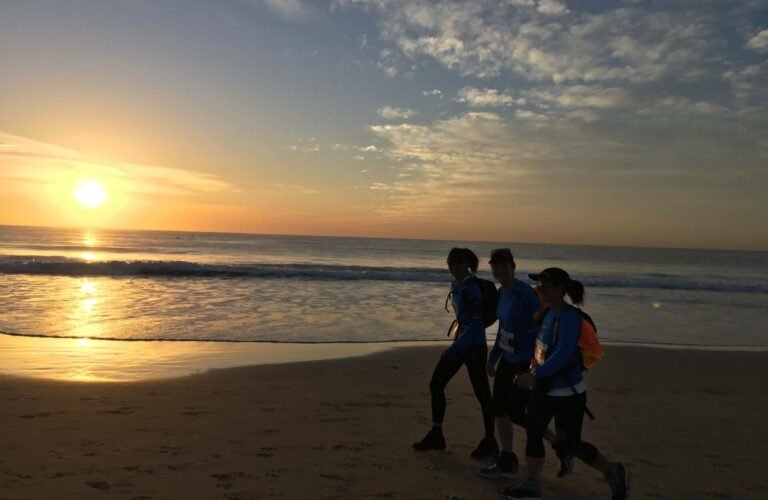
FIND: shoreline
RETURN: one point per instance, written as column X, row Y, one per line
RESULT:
column 109, row 360
column 687, row 423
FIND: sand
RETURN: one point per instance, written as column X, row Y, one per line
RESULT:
column 690, row 424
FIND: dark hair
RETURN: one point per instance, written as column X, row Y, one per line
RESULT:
column 464, row 255
column 575, row 291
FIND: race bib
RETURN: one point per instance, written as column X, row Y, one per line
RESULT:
column 507, row 340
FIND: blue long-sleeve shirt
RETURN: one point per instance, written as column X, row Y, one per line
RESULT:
column 552, row 358
column 467, row 303
column 516, row 338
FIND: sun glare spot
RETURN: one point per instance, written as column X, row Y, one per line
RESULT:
column 88, row 256
column 90, row 193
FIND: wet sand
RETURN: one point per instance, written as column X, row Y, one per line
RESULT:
column 689, row 423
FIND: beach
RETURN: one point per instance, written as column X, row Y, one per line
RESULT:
column 689, row 423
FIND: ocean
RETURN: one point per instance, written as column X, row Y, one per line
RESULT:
column 150, row 285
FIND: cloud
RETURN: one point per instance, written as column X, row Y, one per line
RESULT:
column 391, row 113
column 580, row 96
column 592, row 136
column 627, row 43
column 749, row 82
column 296, row 189
column 28, row 160
column 529, row 115
column 759, row 42
column 552, row 7
column 465, row 157
column 486, row 98
column 433, row 92
column 290, row 10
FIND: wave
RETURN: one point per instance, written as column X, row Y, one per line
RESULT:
column 181, row 269
column 60, row 266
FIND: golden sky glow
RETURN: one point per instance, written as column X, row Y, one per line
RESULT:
column 620, row 123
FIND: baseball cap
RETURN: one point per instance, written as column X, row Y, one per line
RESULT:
column 501, row 255
column 553, row 275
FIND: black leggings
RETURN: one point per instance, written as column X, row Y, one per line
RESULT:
column 568, row 412
column 475, row 358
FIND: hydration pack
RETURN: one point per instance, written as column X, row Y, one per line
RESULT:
column 589, row 346
column 490, row 299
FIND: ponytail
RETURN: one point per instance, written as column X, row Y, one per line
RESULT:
column 472, row 261
column 575, row 291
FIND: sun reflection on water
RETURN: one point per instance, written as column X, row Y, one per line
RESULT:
column 86, row 312
column 90, row 239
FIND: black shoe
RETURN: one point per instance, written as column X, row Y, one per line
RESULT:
column 618, row 479
column 434, row 440
column 505, row 467
column 486, row 450
column 527, row 490
column 567, row 461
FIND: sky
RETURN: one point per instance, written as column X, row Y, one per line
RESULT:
column 592, row 122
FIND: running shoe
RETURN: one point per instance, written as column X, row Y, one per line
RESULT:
column 505, row 467
column 618, row 479
column 486, row 450
column 434, row 440
column 567, row 461
column 527, row 490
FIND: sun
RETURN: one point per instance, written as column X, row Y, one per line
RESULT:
column 90, row 193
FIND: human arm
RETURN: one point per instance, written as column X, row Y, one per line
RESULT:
column 567, row 333
column 469, row 316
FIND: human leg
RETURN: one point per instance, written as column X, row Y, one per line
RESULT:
column 445, row 369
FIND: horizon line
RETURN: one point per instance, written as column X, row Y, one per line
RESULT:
column 646, row 247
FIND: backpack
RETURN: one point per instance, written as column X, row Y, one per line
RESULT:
column 490, row 299
column 590, row 350
column 589, row 346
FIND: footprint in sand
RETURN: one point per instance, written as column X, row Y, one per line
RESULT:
column 194, row 411
column 169, row 450
column 36, row 415
column 331, row 476
column 99, row 485
column 229, row 476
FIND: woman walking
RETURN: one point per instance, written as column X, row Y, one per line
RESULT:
column 513, row 351
column 469, row 348
column 560, row 390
